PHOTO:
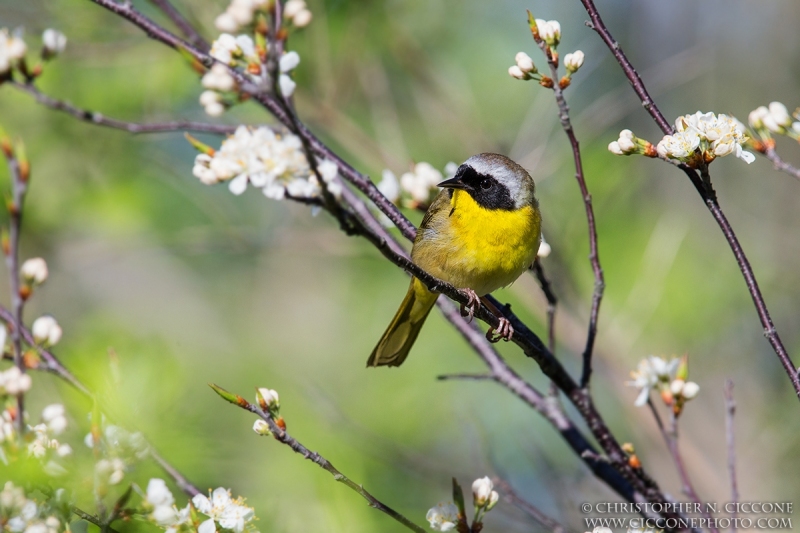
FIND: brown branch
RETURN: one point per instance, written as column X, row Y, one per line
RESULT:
column 181, row 23
column 730, row 410
column 99, row 119
column 280, row 434
column 501, row 373
column 594, row 257
column 780, row 164
column 706, row 193
column 513, row 498
column 671, row 438
column 552, row 302
column 18, row 171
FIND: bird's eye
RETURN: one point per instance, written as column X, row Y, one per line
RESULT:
column 486, row 184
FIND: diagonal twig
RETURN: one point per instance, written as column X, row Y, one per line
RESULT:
column 706, row 193
column 181, row 23
column 671, row 439
column 100, row 119
column 510, row 495
column 280, row 434
column 779, row 164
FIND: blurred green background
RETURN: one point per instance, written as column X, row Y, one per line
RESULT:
column 188, row 284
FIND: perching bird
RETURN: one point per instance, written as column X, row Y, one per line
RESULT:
column 481, row 232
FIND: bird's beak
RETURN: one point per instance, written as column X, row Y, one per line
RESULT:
column 453, row 183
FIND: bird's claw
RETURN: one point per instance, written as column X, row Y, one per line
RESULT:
column 468, row 309
column 503, row 331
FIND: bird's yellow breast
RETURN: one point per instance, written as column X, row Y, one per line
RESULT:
column 478, row 248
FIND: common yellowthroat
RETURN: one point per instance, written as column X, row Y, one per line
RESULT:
column 481, row 232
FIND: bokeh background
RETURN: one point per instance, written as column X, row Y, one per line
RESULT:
column 163, row 284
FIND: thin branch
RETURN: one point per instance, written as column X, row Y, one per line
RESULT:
column 671, row 439
column 594, row 257
column 283, row 437
column 706, row 193
column 182, row 24
column 780, row 164
column 465, row 377
column 53, row 365
column 552, row 302
column 730, row 410
column 534, row 512
column 18, row 170
column 99, row 119
column 94, row 520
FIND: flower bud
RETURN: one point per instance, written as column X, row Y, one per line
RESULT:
column 226, row 23
column 54, row 43
column 676, row 387
column 574, row 61
column 302, row 19
column 293, row 7
column 34, row 271
column 482, row 491
column 614, row 148
column 515, row 72
column 493, row 499
column 780, row 114
column 756, row 117
column 524, row 62
column 268, row 399
column 261, row 427
column 626, row 145
column 690, row 390
column 46, row 331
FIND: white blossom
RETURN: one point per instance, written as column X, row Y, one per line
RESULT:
column 297, row 12
column 54, row 42
column 220, row 508
column 274, row 163
column 34, row 270
column 481, row 491
column 46, row 331
column 287, row 63
column 549, row 31
column 389, row 186
column 544, row 248
column 690, row 390
column 718, row 135
column 12, row 49
column 420, row 182
column 13, row 382
column 625, row 144
column 54, row 416
column 443, row 517
column 302, row 19
column 756, row 117
column 261, row 427
column 524, row 62
column 226, row 23
column 651, row 371
column 293, row 7
column 227, row 49
column 574, row 61
column 218, row 79
column 780, row 114
column 515, row 72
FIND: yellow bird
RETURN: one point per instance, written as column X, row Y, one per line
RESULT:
column 481, row 232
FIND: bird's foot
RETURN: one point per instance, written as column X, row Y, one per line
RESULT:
column 471, row 306
column 504, row 331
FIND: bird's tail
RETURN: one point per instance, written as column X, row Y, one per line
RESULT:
column 399, row 337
